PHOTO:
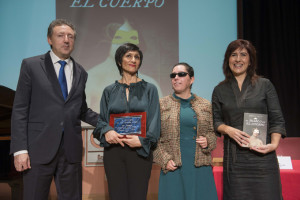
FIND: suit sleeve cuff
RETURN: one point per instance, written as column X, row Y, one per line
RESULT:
column 20, row 152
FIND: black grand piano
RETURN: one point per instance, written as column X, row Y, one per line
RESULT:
column 8, row 174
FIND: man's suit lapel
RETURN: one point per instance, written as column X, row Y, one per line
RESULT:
column 76, row 78
column 48, row 67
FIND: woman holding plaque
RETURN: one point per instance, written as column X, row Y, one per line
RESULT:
column 187, row 139
column 249, row 173
column 128, row 127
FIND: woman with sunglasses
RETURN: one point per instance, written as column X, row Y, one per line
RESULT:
column 127, row 157
column 187, row 139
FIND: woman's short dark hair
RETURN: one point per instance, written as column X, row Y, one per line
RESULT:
column 122, row 50
column 188, row 68
column 240, row 44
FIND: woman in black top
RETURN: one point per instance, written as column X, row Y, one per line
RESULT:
column 249, row 173
column 128, row 160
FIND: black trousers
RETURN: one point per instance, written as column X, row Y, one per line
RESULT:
column 67, row 177
column 127, row 173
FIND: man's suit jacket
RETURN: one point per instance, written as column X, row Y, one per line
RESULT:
column 42, row 119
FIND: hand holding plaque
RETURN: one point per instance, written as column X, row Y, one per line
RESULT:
column 112, row 137
column 132, row 141
column 129, row 123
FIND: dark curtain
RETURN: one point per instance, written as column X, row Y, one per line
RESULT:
column 273, row 27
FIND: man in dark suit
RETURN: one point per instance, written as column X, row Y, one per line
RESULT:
column 46, row 129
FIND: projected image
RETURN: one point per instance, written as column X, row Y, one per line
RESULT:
column 105, row 73
column 101, row 30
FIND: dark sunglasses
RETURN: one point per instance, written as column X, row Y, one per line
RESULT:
column 180, row 74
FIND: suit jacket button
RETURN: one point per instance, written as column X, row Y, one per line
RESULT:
column 194, row 127
column 194, row 137
column 61, row 123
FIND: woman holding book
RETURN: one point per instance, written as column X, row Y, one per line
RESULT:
column 249, row 173
column 128, row 159
column 187, row 139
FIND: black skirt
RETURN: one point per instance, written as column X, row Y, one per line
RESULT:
column 250, row 175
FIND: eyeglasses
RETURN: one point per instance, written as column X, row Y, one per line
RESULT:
column 180, row 74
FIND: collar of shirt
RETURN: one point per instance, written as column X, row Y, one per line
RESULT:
column 68, row 68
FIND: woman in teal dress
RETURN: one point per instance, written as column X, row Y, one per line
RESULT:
column 187, row 139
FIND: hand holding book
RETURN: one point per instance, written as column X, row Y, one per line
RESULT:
column 264, row 149
column 239, row 136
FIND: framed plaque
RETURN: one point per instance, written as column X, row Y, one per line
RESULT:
column 129, row 123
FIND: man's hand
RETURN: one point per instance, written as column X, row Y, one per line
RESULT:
column 22, row 162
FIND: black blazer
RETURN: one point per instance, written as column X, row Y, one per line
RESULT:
column 41, row 118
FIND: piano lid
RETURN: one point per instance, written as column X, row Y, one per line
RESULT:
column 7, row 96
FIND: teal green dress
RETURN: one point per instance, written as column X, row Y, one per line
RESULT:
column 187, row 182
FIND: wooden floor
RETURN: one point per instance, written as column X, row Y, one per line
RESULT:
column 5, row 195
